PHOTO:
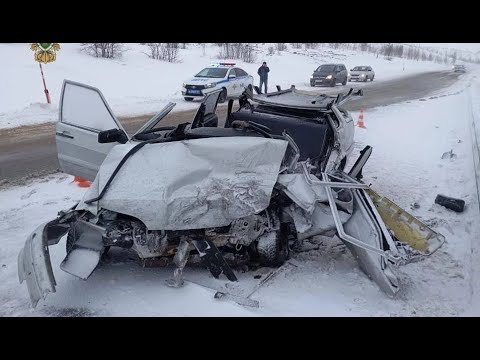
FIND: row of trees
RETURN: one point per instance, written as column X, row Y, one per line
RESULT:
column 248, row 51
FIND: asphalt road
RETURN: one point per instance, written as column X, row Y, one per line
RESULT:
column 30, row 151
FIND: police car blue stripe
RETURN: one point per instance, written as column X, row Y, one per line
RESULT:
column 227, row 80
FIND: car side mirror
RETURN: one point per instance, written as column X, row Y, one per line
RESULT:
column 232, row 76
column 112, row 135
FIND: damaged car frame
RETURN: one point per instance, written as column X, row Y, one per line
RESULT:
column 219, row 194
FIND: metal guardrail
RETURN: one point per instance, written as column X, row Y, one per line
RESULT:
column 475, row 144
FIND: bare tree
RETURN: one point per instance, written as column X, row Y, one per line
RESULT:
column 281, row 46
column 454, row 57
column 163, row 51
column 241, row 51
column 296, row 45
column 104, row 50
column 271, row 50
column 311, row 45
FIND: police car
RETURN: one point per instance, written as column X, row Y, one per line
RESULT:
column 226, row 76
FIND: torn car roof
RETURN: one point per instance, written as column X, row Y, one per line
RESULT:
column 293, row 98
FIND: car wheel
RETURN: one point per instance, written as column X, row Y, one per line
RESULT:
column 188, row 99
column 344, row 82
column 223, row 96
column 272, row 247
column 372, row 78
column 312, row 84
column 334, row 82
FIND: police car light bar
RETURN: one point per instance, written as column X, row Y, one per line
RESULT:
column 222, row 64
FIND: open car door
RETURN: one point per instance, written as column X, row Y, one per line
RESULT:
column 84, row 113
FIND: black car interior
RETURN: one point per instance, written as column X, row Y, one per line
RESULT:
column 312, row 136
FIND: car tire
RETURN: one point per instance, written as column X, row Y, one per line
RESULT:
column 272, row 247
column 188, row 99
column 223, row 96
column 312, row 84
column 334, row 83
column 344, row 82
column 372, row 78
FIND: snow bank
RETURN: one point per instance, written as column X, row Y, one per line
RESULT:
column 138, row 85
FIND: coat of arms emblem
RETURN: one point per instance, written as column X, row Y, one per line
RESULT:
column 45, row 52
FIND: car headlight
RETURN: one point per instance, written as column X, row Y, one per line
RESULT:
column 311, row 77
column 328, row 77
column 363, row 75
column 348, row 74
column 211, row 85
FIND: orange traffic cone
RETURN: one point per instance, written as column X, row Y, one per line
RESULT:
column 82, row 182
column 85, row 183
column 360, row 122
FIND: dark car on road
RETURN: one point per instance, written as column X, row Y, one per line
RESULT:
column 329, row 74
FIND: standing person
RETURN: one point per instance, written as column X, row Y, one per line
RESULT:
column 263, row 73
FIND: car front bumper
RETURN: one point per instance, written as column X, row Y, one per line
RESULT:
column 197, row 94
column 357, row 78
column 321, row 81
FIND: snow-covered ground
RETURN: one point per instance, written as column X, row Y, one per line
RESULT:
column 138, row 85
column 408, row 141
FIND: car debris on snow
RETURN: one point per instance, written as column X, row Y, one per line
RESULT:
column 224, row 197
column 449, row 155
column 451, row 203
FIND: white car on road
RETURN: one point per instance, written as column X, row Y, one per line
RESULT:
column 226, row 76
column 361, row 73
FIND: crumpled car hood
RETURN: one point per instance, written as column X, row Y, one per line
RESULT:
column 191, row 184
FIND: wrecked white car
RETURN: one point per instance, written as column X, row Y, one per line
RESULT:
column 273, row 174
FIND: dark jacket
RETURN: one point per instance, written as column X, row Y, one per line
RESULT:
column 263, row 72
